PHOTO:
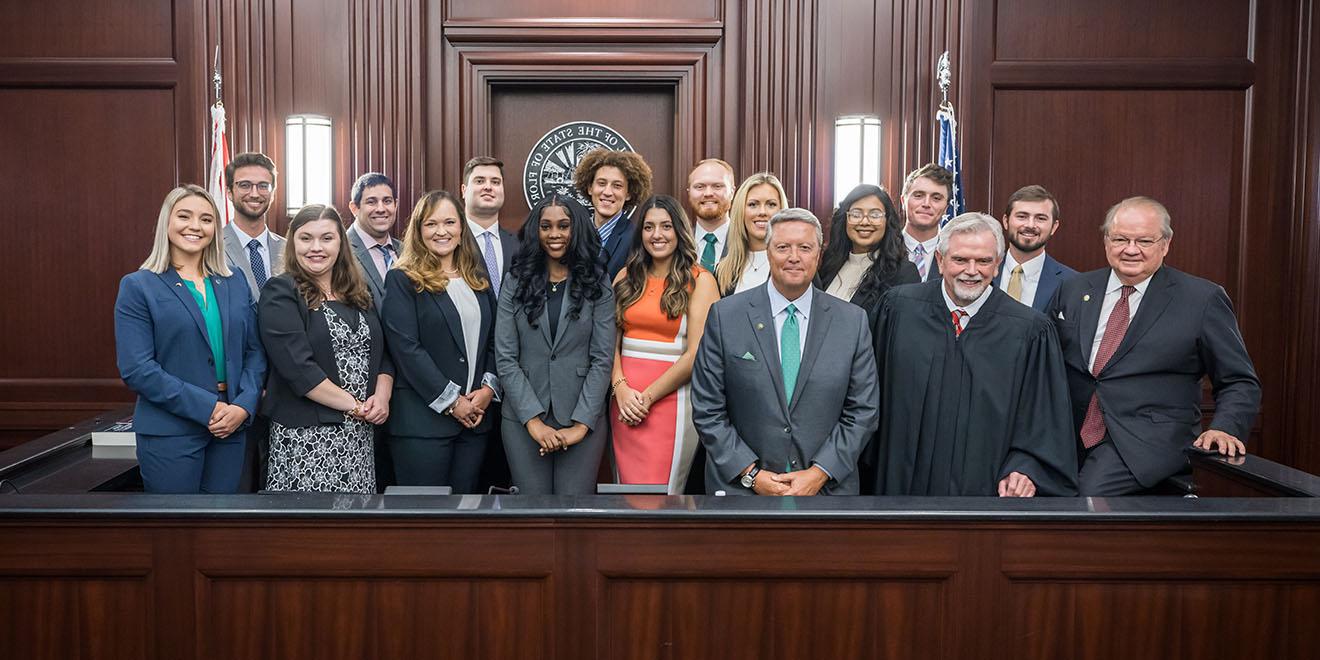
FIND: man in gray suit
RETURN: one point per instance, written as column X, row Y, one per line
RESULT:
column 784, row 385
column 250, row 246
column 375, row 208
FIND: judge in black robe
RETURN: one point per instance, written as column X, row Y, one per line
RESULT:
column 958, row 414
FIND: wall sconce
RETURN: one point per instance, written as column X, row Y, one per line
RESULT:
column 856, row 153
column 309, row 162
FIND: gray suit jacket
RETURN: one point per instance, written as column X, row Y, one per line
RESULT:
column 375, row 282
column 237, row 254
column 738, row 401
column 567, row 375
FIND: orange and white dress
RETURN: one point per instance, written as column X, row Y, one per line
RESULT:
column 659, row 450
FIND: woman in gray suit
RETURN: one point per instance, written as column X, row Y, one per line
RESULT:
column 554, row 349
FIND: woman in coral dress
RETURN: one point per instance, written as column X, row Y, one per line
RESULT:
column 662, row 297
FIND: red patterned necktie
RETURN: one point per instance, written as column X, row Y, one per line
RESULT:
column 957, row 316
column 1093, row 427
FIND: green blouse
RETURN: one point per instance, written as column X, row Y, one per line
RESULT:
column 214, row 332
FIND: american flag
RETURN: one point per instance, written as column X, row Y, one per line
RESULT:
column 215, row 181
column 948, row 158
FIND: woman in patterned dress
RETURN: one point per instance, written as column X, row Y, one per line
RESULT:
column 330, row 380
column 661, row 300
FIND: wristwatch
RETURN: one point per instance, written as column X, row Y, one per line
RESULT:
column 748, row 480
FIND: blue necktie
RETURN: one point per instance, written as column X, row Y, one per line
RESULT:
column 258, row 264
column 492, row 265
column 388, row 251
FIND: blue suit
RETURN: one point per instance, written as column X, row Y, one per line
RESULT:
column 1052, row 274
column 614, row 253
column 164, row 356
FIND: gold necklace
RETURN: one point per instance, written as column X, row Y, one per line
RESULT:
column 554, row 286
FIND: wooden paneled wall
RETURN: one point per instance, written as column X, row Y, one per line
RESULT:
column 1207, row 106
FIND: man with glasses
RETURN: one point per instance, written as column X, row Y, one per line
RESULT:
column 1137, row 339
column 250, row 246
column 1029, row 275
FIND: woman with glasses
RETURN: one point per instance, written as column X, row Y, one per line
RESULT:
column 865, row 255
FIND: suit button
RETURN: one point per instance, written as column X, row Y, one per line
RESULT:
column 793, row 463
column 461, row 359
column 787, row 430
column 552, row 357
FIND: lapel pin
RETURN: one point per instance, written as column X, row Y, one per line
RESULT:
column 178, row 284
column 1086, row 298
column 760, row 326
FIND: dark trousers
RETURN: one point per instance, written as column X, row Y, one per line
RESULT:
column 570, row 471
column 1104, row 474
column 256, row 457
column 454, row 461
column 199, row 463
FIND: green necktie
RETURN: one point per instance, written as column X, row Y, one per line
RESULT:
column 708, row 253
column 790, row 352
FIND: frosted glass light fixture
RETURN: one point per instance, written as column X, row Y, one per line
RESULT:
column 308, row 149
column 856, row 153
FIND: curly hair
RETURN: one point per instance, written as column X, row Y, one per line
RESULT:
column 582, row 258
column 680, row 279
column 347, row 280
column 422, row 266
column 886, row 257
column 634, row 169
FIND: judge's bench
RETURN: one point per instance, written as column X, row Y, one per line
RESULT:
column 88, row 571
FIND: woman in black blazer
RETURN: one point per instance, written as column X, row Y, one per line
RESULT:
column 330, row 380
column 865, row 255
column 439, row 316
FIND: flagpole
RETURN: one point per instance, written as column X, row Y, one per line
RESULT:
column 219, row 148
column 944, row 76
column 947, row 148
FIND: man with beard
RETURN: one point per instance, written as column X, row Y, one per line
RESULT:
column 1029, row 275
column 710, row 193
column 483, row 197
column 250, row 246
column 973, row 392
column 926, row 194
column 374, row 205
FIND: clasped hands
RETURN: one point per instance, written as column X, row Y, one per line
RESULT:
column 470, row 408
column 634, row 405
column 225, row 419
column 375, row 410
column 799, row 482
column 553, row 440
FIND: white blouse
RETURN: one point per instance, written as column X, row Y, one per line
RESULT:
column 470, row 312
column 756, row 273
column 849, row 276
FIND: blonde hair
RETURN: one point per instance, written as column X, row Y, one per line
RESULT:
column 422, row 266
column 730, row 269
column 213, row 256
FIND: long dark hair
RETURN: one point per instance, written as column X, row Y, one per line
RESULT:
column 582, row 258
column 678, row 281
column 346, row 278
column 886, row 257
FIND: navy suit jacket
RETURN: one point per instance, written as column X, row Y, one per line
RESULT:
column 1052, row 274
column 615, row 251
column 164, row 355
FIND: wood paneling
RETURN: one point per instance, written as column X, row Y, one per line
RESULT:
column 1080, row 30
column 353, row 585
column 1131, row 142
column 77, row 29
column 590, row 12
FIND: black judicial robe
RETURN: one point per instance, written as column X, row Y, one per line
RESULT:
column 958, row 414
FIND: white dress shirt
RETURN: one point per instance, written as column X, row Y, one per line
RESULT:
column 968, row 310
column 929, row 245
column 263, row 246
column 1031, row 270
column 478, row 233
column 779, row 311
column 721, row 239
column 1112, row 296
column 756, row 273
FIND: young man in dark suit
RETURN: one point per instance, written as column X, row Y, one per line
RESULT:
column 375, row 207
column 614, row 181
column 1137, row 339
column 1029, row 275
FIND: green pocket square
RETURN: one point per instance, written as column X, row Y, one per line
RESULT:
column 748, row 356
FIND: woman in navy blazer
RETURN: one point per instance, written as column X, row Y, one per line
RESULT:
column 186, row 342
column 439, row 316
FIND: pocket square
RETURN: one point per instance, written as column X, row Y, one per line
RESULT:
column 747, row 356
column 1061, row 316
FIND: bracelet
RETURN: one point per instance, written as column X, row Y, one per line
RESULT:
column 356, row 410
column 615, row 384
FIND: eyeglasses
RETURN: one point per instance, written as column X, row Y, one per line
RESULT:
column 246, row 186
column 874, row 214
column 1143, row 244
